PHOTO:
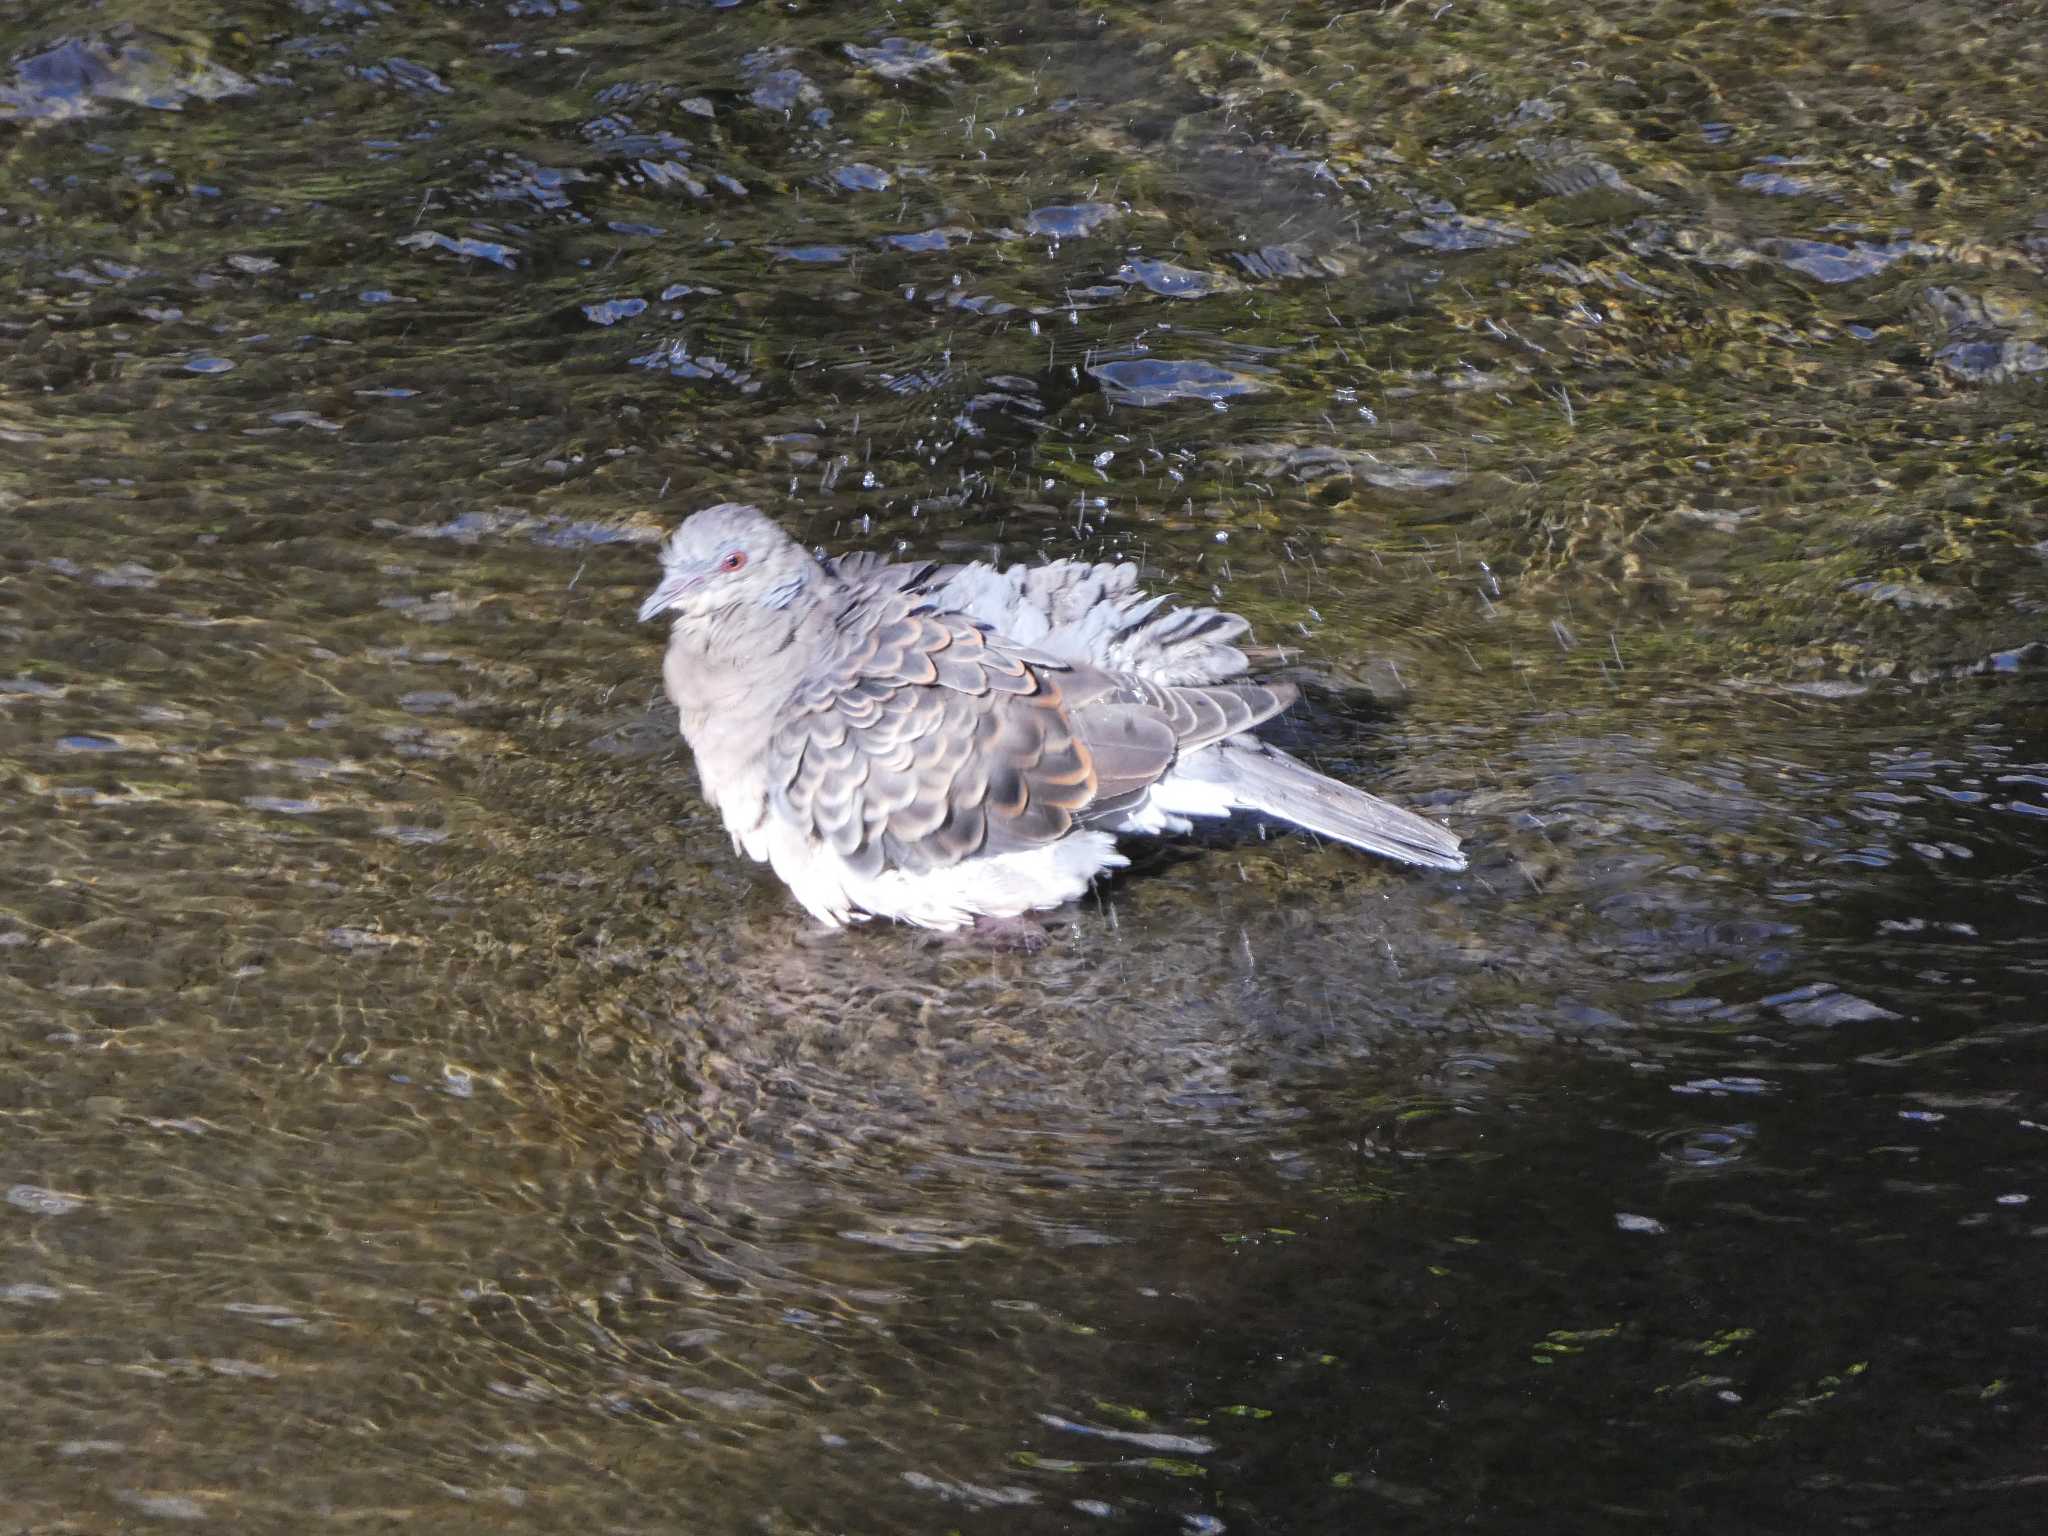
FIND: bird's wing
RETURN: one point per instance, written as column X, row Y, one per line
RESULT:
column 1135, row 729
column 1084, row 613
column 920, row 738
column 872, row 573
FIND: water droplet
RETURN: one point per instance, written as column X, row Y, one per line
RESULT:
column 1706, row 1146
column 43, row 1202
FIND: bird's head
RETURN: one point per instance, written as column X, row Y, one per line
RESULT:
column 729, row 556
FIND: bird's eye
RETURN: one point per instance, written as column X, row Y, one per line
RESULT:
column 733, row 561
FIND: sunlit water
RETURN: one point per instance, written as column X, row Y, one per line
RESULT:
column 1628, row 422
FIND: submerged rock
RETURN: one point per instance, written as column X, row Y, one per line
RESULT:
column 1171, row 281
column 1155, row 381
column 1069, row 221
column 1992, row 339
column 78, row 76
column 898, row 58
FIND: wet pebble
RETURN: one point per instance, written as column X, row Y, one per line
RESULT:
column 1827, row 263
column 415, row 77
column 1156, row 381
column 481, row 250
column 1568, row 169
column 430, row 701
column 223, row 1366
column 939, row 239
column 42, row 1202
column 1777, row 184
column 1173, row 282
column 1396, row 477
column 612, row 311
column 1271, row 262
column 784, row 90
column 361, row 939
column 79, row 74
column 674, row 358
column 898, row 58
column 1823, row 1004
column 1992, row 362
column 861, row 177
column 1717, row 1086
column 1462, row 233
column 416, row 837
column 1175, row 1445
column 164, row 1506
column 269, row 1314
column 281, row 805
column 1069, row 221
column 1902, row 594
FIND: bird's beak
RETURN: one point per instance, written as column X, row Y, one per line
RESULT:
column 675, row 581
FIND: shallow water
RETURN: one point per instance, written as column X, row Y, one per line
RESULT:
column 1626, row 421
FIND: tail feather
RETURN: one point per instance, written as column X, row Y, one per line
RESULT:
column 1264, row 779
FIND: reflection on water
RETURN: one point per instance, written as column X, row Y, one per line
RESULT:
column 1624, row 423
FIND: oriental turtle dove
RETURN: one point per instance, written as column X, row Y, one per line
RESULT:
column 941, row 743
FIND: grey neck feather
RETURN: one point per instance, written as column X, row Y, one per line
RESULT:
column 743, row 659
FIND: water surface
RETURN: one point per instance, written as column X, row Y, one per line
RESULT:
column 1627, row 422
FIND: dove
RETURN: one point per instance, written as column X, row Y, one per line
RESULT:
column 942, row 744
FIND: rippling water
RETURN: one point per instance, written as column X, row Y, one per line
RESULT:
column 1626, row 421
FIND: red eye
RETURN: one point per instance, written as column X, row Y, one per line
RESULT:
column 733, row 561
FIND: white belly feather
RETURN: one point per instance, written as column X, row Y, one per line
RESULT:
column 991, row 885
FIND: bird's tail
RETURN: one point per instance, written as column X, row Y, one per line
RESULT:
column 1262, row 778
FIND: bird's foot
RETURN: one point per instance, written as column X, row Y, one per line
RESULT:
column 1025, row 935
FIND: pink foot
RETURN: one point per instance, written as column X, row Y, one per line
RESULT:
column 1026, row 935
